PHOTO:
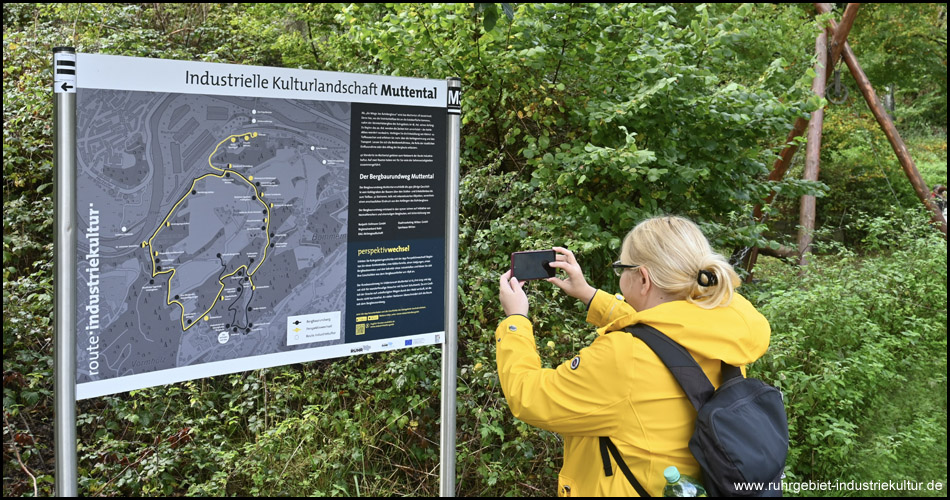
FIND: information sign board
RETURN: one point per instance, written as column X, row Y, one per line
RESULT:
column 237, row 217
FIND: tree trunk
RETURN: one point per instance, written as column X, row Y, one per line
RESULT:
column 782, row 165
column 839, row 34
column 837, row 46
column 813, row 151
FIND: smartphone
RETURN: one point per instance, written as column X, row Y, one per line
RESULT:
column 532, row 265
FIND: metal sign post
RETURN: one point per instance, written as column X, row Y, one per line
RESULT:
column 64, row 280
column 450, row 346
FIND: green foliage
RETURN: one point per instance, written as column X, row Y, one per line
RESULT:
column 27, row 382
column 906, row 45
column 860, row 168
column 578, row 121
column 895, row 44
column 290, row 431
column 862, row 175
column 930, row 154
column 859, row 348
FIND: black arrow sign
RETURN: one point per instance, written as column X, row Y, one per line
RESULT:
column 66, row 86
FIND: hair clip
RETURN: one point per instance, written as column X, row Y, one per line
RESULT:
column 711, row 279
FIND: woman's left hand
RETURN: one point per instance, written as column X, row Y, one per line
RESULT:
column 513, row 298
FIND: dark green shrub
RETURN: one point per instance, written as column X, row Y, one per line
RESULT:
column 859, row 346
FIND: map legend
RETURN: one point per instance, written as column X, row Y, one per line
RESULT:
column 310, row 328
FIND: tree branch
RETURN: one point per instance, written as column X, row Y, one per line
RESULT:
column 16, row 450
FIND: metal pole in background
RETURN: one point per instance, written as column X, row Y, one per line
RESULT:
column 64, row 279
column 450, row 345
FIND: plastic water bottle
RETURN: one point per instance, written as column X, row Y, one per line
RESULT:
column 680, row 485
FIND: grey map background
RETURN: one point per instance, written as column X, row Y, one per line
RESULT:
column 139, row 154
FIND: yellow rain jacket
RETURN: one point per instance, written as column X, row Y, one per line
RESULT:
column 617, row 387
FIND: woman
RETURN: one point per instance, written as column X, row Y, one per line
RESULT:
column 617, row 387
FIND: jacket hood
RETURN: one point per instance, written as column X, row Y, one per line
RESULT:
column 737, row 334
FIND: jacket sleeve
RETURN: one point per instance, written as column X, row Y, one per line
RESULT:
column 584, row 396
column 606, row 309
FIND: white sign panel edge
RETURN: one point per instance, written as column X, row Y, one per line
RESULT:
column 98, row 71
column 181, row 374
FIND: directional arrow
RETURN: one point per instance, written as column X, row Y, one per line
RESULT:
column 66, row 86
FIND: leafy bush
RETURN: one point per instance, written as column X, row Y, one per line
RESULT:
column 296, row 430
column 930, row 153
column 861, row 170
column 859, row 347
column 905, row 46
column 862, row 175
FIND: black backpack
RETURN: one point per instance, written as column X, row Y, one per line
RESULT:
column 741, row 434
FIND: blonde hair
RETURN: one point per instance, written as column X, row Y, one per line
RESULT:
column 676, row 253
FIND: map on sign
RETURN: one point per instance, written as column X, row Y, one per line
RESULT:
column 213, row 224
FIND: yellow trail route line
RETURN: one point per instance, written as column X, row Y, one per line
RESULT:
column 257, row 195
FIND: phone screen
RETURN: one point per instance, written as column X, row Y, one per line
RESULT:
column 532, row 265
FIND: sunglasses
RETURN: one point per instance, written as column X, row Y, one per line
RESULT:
column 620, row 268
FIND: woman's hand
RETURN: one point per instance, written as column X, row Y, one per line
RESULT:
column 575, row 285
column 513, row 298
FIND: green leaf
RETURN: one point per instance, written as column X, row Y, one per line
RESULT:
column 491, row 17
column 509, row 11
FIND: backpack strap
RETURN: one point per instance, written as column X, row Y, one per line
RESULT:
column 606, row 445
column 684, row 368
column 730, row 372
column 688, row 375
